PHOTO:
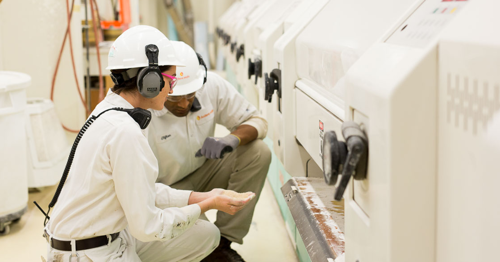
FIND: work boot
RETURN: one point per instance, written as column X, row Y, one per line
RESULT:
column 224, row 253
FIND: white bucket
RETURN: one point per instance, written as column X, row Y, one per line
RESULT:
column 48, row 147
column 13, row 172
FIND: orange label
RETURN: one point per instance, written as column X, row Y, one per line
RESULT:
column 181, row 73
column 205, row 115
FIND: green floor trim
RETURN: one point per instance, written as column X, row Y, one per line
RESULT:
column 277, row 176
column 231, row 78
column 301, row 248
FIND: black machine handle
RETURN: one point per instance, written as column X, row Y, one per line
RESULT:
column 258, row 69
column 273, row 82
column 349, row 159
column 334, row 156
column 240, row 52
column 356, row 163
column 233, row 47
column 251, row 68
column 226, row 38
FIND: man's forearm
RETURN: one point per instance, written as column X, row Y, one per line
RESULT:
column 246, row 133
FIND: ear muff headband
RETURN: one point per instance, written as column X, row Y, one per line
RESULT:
column 202, row 63
column 149, row 80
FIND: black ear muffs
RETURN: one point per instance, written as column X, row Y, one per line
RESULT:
column 202, row 63
column 149, row 79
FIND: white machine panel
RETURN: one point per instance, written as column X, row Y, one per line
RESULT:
column 468, row 212
column 392, row 90
column 262, row 19
column 312, row 122
column 338, row 36
column 321, row 51
column 426, row 23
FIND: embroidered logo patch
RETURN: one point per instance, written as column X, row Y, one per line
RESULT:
column 205, row 115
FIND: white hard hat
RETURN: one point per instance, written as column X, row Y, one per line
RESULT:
column 191, row 77
column 128, row 50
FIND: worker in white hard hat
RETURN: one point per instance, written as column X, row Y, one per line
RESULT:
column 109, row 207
column 191, row 158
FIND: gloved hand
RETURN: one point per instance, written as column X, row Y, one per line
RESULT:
column 216, row 147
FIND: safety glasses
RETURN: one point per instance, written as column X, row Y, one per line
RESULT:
column 179, row 98
column 173, row 81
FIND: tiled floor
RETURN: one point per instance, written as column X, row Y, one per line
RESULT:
column 267, row 240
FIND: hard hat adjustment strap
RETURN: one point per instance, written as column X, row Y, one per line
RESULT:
column 124, row 76
column 202, row 63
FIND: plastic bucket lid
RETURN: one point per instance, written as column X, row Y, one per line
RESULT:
column 13, row 80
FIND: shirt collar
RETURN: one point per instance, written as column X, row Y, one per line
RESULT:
column 117, row 101
column 196, row 105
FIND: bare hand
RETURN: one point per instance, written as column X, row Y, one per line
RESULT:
column 229, row 201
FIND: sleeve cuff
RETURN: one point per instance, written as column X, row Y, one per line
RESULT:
column 193, row 212
column 180, row 198
column 258, row 123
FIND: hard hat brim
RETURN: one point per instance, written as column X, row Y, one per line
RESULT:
column 190, row 87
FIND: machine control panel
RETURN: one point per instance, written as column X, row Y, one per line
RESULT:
column 424, row 25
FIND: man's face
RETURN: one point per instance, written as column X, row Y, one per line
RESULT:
column 181, row 105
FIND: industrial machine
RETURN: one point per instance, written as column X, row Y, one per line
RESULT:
column 247, row 41
column 230, row 26
column 468, row 146
column 14, row 181
column 427, row 95
column 307, row 85
column 399, row 107
column 257, row 51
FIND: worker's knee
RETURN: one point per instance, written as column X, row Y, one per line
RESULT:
column 260, row 152
column 208, row 234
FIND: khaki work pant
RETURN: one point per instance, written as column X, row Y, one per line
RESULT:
column 193, row 245
column 243, row 170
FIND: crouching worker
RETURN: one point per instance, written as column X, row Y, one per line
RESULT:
column 191, row 158
column 109, row 207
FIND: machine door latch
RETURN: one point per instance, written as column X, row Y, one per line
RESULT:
column 240, row 52
column 273, row 82
column 226, row 38
column 291, row 194
column 233, row 47
column 251, row 68
column 334, row 156
column 345, row 159
column 219, row 32
column 258, row 68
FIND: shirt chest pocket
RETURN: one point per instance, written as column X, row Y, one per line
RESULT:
column 205, row 117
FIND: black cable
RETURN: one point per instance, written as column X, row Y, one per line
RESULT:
column 70, row 161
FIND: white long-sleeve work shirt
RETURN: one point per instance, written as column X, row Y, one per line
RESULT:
column 111, row 185
column 175, row 140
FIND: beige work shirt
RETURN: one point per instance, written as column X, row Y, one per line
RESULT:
column 175, row 140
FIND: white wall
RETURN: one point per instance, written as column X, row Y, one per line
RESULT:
column 153, row 13
column 32, row 33
column 210, row 11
